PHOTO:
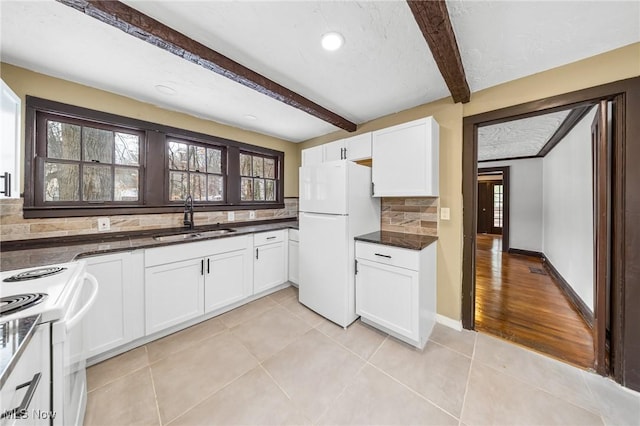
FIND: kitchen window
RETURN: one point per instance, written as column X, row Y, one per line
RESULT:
column 82, row 162
column 196, row 170
column 257, row 177
column 85, row 163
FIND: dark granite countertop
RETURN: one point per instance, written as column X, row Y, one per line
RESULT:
column 41, row 253
column 398, row 239
column 14, row 338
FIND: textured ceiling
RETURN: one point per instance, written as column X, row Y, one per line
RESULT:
column 384, row 67
column 518, row 138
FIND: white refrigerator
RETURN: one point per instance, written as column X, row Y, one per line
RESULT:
column 335, row 205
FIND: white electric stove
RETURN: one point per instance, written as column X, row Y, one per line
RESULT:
column 62, row 294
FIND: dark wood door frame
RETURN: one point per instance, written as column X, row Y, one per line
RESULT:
column 625, row 212
column 505, row 200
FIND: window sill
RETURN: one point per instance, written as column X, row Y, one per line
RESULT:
column 67, row 211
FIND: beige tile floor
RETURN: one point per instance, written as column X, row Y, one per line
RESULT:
column 273, row 361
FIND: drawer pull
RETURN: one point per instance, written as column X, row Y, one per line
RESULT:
column 271, row 238
column 383, row 255
column 26, row 401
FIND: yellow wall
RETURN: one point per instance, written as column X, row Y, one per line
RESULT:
column 24, row 82
column 615, row 65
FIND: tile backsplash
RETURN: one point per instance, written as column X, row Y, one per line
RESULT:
column 14, row 227
column 410, row 215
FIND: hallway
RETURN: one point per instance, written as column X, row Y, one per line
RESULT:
column 518, row 301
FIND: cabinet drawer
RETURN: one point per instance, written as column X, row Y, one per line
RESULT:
column 395, row 256
column 268, row 237
column 294, row 235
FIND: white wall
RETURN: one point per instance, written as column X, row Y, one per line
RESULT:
column 525, row 202
column 568, row 209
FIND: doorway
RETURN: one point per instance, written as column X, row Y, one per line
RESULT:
column 493, row 203
column 617, row 235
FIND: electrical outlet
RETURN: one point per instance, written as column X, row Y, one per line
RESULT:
column 445, row 213
column 104, row 224
column 231, row 216
column 252, row 214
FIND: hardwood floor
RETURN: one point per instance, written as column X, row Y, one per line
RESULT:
column 525, row 307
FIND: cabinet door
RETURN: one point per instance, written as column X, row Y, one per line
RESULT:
column 120, row 299
column 293, row 261
column 405, row 159
column 269, row 266
column 312, row 156
column 173, row 294
column 228, row 279
column 388, row 296
column 334, row 151
column 10, row 158
column 358, row 147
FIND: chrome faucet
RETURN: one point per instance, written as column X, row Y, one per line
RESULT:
column 188, row 212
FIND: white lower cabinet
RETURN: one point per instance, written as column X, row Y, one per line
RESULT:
column 229, row 278
column 293, row 256
column 186, row 281
column 270, row 260
column 174, row 293
column 117, row 316
column 396, row 290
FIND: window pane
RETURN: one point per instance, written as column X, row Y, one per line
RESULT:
column 258, row 189
column 198, row 186
column 97, row 183
column 258, row 168
column 270, row 190
column 246, row 189
column 97, row 145
column 178, row 156
column 245, row 165
column 127, row 149
column 214, row 160
column 215, row 192
column 61, row 182
column 178, row 186
column 197, row 160
column 126, row 184
column 269, row 168
column 63, row 141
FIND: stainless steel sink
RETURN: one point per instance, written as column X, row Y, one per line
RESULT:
column 176, row 237
column 216, row 232
column 193, row 235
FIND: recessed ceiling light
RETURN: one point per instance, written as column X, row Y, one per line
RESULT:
column 165, row 90
column 332, row 41
column 250, row 117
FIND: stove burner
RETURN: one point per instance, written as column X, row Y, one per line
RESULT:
column 18, row 302
column 34, row 273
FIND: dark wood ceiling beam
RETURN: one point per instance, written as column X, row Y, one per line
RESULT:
column 433, row 19
column 148, row 29
column 568, row 123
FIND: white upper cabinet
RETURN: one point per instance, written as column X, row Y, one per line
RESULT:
column 405, row 160
column 10, row 158
column 313, row 156
column 358, row 147
column 354, row 148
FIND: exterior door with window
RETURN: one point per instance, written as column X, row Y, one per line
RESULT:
column 490, row 207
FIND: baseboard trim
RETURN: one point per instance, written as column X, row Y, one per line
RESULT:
column 571, row 294
column 448, row 322
column 526, row 252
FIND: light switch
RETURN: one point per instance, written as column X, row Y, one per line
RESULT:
column 445, row 213
column 252, row 214
column 231, row 216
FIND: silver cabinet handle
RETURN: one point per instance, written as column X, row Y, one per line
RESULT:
column 383, row 255
column 26, row 401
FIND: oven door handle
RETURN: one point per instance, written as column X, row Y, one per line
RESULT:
column 94, row 293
